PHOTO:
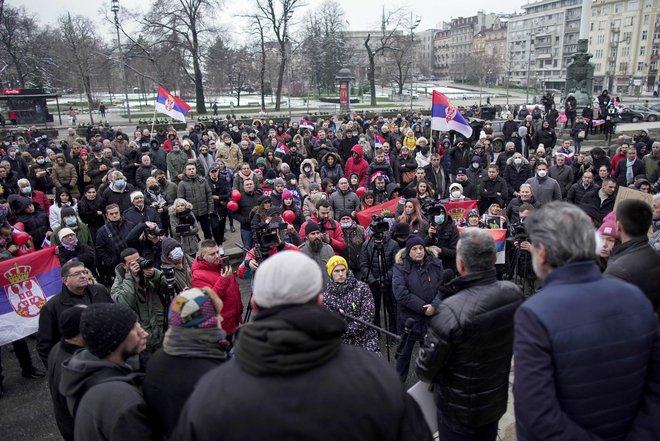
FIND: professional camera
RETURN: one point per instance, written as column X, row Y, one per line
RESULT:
column 169, row 274
column 379, row 225
column 268, row 235
column 518, row 232
column 154, row 231
column 145, row 264
column 183, row 228
column 430, row 209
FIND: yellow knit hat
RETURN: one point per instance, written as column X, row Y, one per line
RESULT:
column 333, row 262
column 258, row 149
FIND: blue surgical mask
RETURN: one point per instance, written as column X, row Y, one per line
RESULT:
column 440, row 219
column 176, row 254
column 27, row 189
column 70, row 221
column 120, row 183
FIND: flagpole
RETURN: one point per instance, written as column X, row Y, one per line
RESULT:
column 153, row 120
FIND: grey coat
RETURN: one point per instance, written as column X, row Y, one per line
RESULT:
column 197, row 191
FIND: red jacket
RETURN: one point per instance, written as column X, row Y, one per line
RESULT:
column 244, row 271
column 333, row 229
column 359, row 166
column 40, row 198
column 205, row 274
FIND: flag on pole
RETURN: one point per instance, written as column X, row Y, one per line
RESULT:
column 170, row 105
column 281, row 148
column 26, row 283
column 378, row 141
column 445, row 116
column 304, row 124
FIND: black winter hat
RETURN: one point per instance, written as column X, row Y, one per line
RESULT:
column 104, row 326
column 70, row 321
column 168, row 245
column 401, row 229
column 19, row 203
column 311, row 227
column 67, row 211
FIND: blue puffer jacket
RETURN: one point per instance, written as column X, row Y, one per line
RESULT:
column 415, row 286
column 587, row 360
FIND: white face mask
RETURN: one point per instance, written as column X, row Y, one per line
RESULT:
column 475, row 164
column 541, row 173
column 456, row 194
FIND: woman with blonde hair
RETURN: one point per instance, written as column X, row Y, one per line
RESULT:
column 184, row 225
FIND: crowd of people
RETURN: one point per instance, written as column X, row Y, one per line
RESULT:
column 138, row 221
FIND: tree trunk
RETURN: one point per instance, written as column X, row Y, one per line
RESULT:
column 371, row 76
column 88, row 92
column 280, row 78
column 199, row 86
column 262, row 74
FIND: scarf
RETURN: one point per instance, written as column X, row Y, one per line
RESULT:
column 629, row 171
column 195, row 343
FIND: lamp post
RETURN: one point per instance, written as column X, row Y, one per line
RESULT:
column 529, row 66
column 115, row 8
column 414, row 22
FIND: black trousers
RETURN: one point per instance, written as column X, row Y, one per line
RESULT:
column 22, row 353
column 205, row 222
column 218, row 228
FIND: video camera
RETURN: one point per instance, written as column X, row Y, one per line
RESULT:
column 379, row 225
column 154, row 231
column 430, row 209
column 518, row 232
column 268, row 234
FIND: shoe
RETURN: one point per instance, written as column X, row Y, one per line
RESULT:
column 233, row 230
column 33, row 373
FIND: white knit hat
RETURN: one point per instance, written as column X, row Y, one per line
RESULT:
column 136, row 194
column 288, row 277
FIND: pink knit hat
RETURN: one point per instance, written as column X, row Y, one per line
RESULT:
column 608, row 227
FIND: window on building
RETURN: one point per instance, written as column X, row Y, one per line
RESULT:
column 645, row 35
column 642, row 51
column 591, row 26
column 625, row 52
column 648, row 4
column 601, row 39
column 646, row 19
column 628, row 21
column 623, row 67
column 613, row 52
column 606, row 10
column 618, row 8
column 616, row 24
column 627, row 36
column 640, row 66
column 632, row 5
column 554, row 63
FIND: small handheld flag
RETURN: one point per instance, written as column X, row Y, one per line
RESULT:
column 445, row 116
column 305, row 124
column 170, row 105
column 281, row 148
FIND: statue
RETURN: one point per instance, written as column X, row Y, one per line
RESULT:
column 580, row 75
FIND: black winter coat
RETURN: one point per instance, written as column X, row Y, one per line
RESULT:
column 221, row 192
column 515, row 177
column 82, row 252
column 414, row 286
column 446, row 238
column 148, row 214
column 60, row 353
column 245, row 206
column 369, row 260
column 110, row 242
column 166, row 390
column 88, row 213
column 467, row 349
column 36, row 224
column 488, row 192
column 49, row 318
column 122, row 199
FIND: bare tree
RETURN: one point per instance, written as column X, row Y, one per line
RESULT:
column 80, row 39
column 278, row 15
column 386, row 41
column 189, row 21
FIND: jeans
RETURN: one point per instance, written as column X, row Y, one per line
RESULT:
column 403, row 362
column 246, row 237
column 450, row 431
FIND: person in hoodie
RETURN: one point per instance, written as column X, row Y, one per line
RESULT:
column 63, row 350
column 209, row 270
column 308, row 175
column 477, row 172
column 423, row 156
column 33, row 218
column 442, row 238
column 158, row 155
column 194, row 343
column 100, row 383
column 291, row 185
column 357, row 164
column 344, row 199
column 379, row 165
column 294, row 159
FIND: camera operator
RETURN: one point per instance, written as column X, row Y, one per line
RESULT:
column 267, row 244
column 140, row 286
column 354, row 237
column 160, row 201
column 147, row 238
column 442, row 236
column 379, row 282
column 176, row 265
column 521, row 270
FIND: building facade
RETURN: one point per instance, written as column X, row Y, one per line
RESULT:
column 461, row 34
column 541, row 42
column 624, row 39
column 441, row 54
column 489, row 46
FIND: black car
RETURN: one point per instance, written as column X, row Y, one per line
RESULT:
column 629, row 115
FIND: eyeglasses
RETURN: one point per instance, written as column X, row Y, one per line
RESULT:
column 77, row 274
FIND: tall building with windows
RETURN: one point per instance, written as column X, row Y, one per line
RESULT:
column 541, row 42
column 624, row 39
column 461, row 33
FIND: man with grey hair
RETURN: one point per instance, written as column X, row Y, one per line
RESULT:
column 291, row 352
column 467, row 349
column 587, row 349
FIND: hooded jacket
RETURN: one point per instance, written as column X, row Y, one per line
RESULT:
column 334, row 172
column 176, row 163
column 206, row 274
column 105, row 399
column 289, row 352
column 304, row 180
column 64, row 177
column 358, row 166
column 515, row 175
column 445, row 238
column 197, row 191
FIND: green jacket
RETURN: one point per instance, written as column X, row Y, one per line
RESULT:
column 82, row 233
column 145, row 300
column 176, row 164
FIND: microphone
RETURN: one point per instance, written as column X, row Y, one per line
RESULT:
column 410, row 322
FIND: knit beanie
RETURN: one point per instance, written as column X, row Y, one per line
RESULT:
column 195, row 308
column 401, row 229
column 608, row 227
column 413, row 240
column 70, row 321
column 104, row 326
column 278, row 181
column 67, row 211
column 64, row 232
column 258, row 149
column 261, row 161
column 286, row 194
column 288, row 277
column 311, row 227
column 136, row 194
column 333, row 262
column 168, row 245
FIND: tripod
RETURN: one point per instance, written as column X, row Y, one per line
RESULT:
column 382, row 295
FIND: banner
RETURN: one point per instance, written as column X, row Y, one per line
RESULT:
column 364, row 216
column 26, row 283
column 459, row 210
column 499, row 236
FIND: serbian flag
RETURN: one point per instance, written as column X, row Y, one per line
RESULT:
column 364, row 216
column 499, row 236
column 170, row 105
column 459, row 210
column 304, row 124
column 378, row 141
column 281, row 148
column 445, row 116
column 598, row 122
column 26, row 283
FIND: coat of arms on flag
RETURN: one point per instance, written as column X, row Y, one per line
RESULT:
column 170, row 105
column 24, row 293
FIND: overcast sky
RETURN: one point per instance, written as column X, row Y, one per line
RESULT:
column 361, row 14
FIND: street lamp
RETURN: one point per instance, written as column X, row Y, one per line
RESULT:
column 529, row 66
column 414, row 22
column 115, row 8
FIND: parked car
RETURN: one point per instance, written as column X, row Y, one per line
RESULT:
column 655, row 107
column 648, row 113
column 629, row 115
column 498, row 137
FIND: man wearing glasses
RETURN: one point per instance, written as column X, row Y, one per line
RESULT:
column 76, row 290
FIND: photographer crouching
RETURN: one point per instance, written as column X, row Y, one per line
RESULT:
column 140, row 286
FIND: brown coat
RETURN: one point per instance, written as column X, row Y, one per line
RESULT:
column 65, row 174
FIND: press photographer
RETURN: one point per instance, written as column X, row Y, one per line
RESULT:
column 268, row 243
column 140, row 286
column 519, row 259
column 442, row 237
column 147, row 239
